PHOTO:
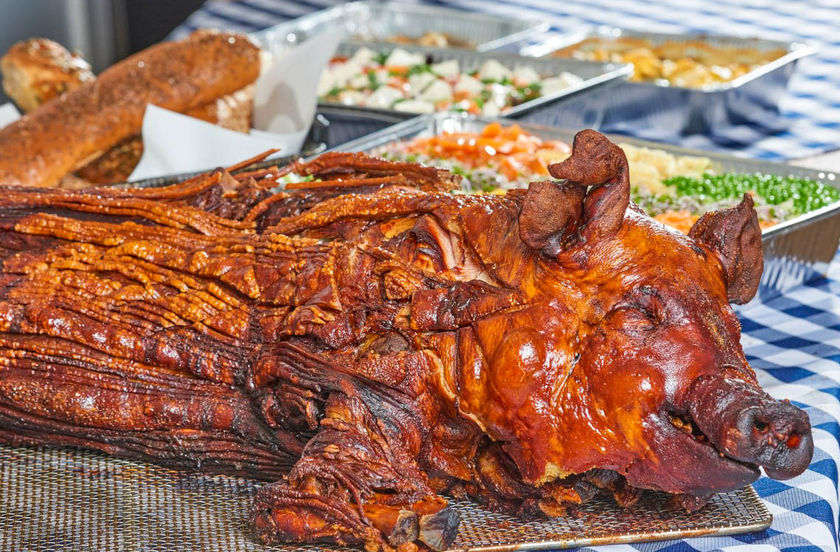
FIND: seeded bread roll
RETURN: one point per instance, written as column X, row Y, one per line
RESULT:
column 80, row 125
column 38, row 70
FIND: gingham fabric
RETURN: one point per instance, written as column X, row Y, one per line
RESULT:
column 812, row 106
column 792, row 341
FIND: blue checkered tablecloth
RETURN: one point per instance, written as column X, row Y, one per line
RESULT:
column 812, row 106
column 792, row 341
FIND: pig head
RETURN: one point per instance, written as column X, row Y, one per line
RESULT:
column 622, row 351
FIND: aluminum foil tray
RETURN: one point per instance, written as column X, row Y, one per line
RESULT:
column 62, row 500
column 794, row 251
column 378, row 21
column 350, row 121
column 752, row 98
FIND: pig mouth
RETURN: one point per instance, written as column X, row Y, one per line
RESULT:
column 686, row 461
column 691, row 433
column 686, row 425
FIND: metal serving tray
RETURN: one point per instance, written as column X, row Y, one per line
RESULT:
column 794, row 251
column 752, row 98
column 350, row 122
column 378, row 21
column 64, row 500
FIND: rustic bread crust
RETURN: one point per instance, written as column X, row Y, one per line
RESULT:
column 66, row 134
column 38, row 70
column 232, row 111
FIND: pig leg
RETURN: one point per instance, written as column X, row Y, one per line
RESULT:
column 357, row 482
column 66, row 394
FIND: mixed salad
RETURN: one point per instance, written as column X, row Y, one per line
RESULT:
column 675, row 190
column 410, row 82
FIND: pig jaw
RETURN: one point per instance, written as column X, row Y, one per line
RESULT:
column 748, row 425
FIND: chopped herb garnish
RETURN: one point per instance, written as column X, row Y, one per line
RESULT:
column 417, row 69
column 334, row 92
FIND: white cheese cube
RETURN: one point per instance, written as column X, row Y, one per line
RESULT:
column 500, row 93
column 363, row 56
column 558, row 83
column 418, row 82
column 438, row 91
column 381, row 76
column 359, row 81
column 447, row 68
column 490, row 109
column 523, row 76
column 493, row 70
column 402, row 58
column 343, row 72
column 470, row 85
column 415, row 106
column 352, row 97
column 383, row 97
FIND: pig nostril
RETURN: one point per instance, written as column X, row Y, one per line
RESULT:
column 794, row 440
column 760, row 425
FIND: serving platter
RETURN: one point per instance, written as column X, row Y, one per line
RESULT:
column 377, row 21
column 794, row 251
column 753, row 97
column 351, row 122
column 61, row 500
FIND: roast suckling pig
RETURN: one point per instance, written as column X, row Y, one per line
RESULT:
column 368, row 339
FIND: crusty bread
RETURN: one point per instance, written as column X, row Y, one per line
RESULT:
column 232, row 111
column 76, row 128
column 38, row 70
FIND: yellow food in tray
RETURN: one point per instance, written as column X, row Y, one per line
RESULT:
column 687, row 64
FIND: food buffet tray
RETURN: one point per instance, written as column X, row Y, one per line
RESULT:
column 794, row 251
column 377, row 21
column 753, row 97
column 63, row 500
column 350, row 122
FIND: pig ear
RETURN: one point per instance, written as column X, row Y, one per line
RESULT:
column 734, row 234
column 556, row 215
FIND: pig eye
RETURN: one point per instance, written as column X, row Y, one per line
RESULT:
column 635, row 318
column 642, row 310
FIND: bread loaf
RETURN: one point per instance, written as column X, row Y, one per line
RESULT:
column 232, row 111
column 38, row 70
column 77, row 127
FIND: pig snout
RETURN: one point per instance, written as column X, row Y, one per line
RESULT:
column 748, row 425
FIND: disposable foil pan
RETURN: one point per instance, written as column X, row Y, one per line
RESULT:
column 379, row 21
column 64, row 500
column 794, row 251
column 752, row 98
column 351, row 122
